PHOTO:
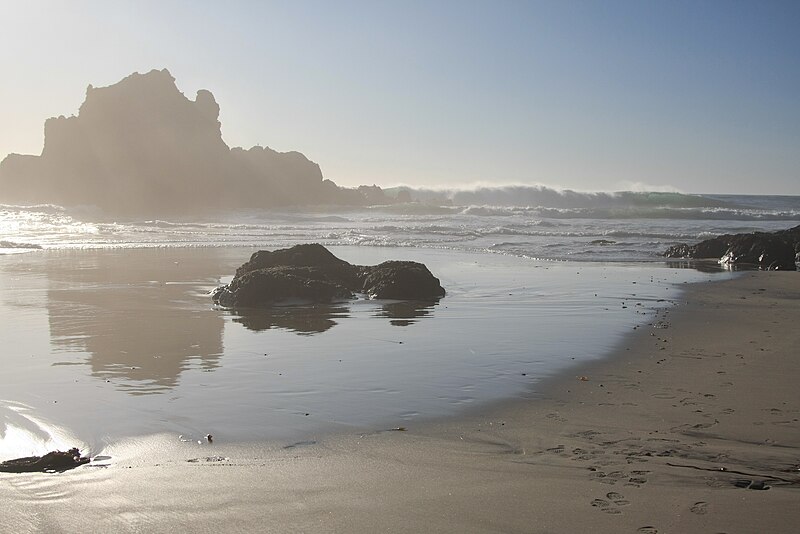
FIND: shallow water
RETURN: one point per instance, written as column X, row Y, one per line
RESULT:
column 101, row 345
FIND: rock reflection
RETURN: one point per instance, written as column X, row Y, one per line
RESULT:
column 404, row 313
column 141, row 318
column 302, row 320
column 314, row 319
column 704, row 266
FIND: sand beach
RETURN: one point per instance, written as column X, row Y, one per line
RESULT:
column 688, row 423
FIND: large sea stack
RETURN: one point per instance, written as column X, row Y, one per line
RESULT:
column 141, row 147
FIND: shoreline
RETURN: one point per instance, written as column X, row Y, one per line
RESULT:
column 76, row 318
column 690, row 425
column 679, row 429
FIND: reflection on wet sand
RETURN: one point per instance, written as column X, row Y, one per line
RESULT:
column 302, row 320
column 140, row 322
column 705, row 266
column 404, row 313
column 315, row 319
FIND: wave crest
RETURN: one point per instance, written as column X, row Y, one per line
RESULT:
column 545, row 197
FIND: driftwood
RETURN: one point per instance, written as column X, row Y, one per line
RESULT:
column 51, row 462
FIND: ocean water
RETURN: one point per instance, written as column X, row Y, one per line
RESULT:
column 581, row 227
column 109, row 330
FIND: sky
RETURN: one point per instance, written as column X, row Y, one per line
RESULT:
column 696, row 96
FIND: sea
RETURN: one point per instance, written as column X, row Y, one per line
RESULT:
column 109, row 332
column 597, row 227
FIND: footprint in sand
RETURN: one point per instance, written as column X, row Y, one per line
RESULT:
column 700, row 508
column 617, row 498
column 701, row 426
column 637, row 478
column 584, row 455
column 634, row 478
column 587, row 434
column 609, row 481
column 605, row 506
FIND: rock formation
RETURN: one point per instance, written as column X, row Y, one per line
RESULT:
column 140, row 147
column 773, row 251
column 310, row 273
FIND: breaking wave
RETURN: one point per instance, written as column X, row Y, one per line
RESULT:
column 541, row 196
column 547, row 203
column 627, row 226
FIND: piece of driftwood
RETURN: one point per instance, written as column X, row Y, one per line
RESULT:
column 50, row 462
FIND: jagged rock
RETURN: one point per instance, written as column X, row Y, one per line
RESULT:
column 311, row 255
column 310, row 273
column 401, row 280
column 141, row 147
column 776, row 250
column 280, row 284
column 52, row 461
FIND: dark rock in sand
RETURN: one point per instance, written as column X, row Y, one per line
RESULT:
column 313, row 255
column 52, row 461
column 401, row 280
column 774, row 251
column 325, row 265
column 310, row 273
column 279, row 284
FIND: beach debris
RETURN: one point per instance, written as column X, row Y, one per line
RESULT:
column 751, row 484
column 208, row 459
column 297, row 444
column 52, row 462
column 583, row 378
column 208, row 437
column 398, row 429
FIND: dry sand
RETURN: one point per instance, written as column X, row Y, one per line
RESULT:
column 675, row 432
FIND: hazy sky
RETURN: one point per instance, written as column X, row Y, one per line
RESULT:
column 698, row 96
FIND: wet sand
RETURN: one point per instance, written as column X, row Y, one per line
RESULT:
column 109, row 344
column 677, row 431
